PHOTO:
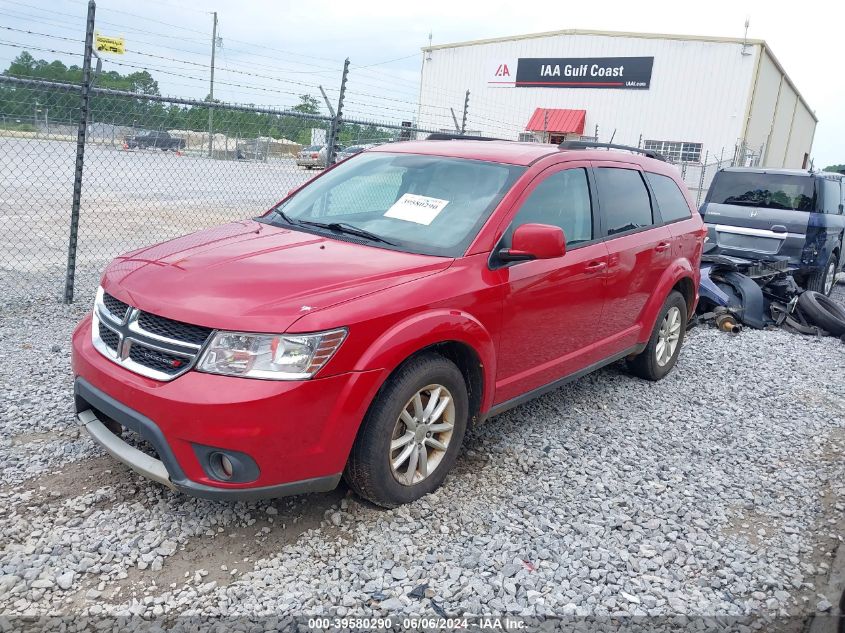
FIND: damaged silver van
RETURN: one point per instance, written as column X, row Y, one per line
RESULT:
column 791, row 215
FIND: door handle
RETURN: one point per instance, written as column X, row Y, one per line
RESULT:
column 595, row 267
column 663, row 246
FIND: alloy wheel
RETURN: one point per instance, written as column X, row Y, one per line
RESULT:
column 668, row 336
column 422, row 434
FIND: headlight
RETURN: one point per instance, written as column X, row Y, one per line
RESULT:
column 270, row 356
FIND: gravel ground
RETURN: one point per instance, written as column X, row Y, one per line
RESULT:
column 717, row 492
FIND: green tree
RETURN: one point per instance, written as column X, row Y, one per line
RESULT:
column 27, row 105
column 837, row 168
column 307, row 105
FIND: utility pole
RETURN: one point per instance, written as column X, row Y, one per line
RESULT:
column 211, row 87
column 334, row 128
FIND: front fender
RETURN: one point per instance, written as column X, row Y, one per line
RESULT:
column 678, row 270
column 425, row 329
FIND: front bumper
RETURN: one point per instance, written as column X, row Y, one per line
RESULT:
column 297, row 435
column 155, row 469
column 309, row 162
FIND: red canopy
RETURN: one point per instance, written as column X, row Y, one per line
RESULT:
column 557, row 121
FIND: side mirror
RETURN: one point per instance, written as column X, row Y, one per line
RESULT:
column 535, row 241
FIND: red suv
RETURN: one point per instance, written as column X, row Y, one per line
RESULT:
column 360, row 325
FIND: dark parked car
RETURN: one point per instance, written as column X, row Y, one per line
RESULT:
column 780, row 214
column 154, row 139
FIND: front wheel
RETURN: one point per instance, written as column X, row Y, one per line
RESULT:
column 412, row 434
column 662, row 350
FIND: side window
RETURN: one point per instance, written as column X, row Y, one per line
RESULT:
column 672, row 203
column 831, row 196
column 625, row 203
column 562, row 199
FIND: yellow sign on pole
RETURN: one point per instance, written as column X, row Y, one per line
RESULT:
column 105, row 44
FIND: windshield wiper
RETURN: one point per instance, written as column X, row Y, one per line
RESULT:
column 349, row 229
column 285, row 216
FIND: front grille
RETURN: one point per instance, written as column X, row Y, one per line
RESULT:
column 109, row 337
column 176, row 330
column 159, row 361
column 147, row 344
column 115, row 306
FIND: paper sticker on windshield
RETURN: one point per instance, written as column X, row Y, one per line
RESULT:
column 419, row 209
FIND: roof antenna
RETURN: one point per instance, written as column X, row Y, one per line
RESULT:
column 745, row 38
column 428, row 56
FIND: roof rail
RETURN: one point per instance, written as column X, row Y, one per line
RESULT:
column 589, row 144
column 446, row 136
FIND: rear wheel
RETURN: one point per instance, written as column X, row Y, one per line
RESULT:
column 662, row 350
column 412, row 434
column 823, row 279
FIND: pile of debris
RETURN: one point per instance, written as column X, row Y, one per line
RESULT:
column 762, row 293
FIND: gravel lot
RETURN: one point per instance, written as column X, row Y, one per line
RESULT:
column 717, row 492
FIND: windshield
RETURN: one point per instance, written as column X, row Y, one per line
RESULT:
column 423, row 204
column 767, row 191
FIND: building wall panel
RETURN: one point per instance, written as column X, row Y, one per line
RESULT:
column 775, row 153
column 768, row 85
column 699, row 89
column 801, row 138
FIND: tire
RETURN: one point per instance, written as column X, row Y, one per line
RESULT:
column 824, row 279
column 653, row 363
column 821, row 310
column 370, row 470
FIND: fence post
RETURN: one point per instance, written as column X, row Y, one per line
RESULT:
column 701, row 179
column 81, row 132
column 464, row 117
column 334, row 128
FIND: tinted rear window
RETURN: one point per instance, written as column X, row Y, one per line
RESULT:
column 767, row 191
column 672, row 203
column 625, row 203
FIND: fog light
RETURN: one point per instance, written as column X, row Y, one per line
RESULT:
column 226, row 466
column 222, row 466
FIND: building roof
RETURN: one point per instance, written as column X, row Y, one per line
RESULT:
column 652, row 36
column 557, row 121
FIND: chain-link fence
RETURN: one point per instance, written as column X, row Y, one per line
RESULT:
column 699, row 176
column 150, row 171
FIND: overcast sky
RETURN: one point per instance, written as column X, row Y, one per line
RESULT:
column 294, row 46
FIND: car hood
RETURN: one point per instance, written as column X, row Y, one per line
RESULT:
column 254, row 277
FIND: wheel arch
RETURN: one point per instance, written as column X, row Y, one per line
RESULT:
column 680, row 276
column 686, row 286
column 453, row 334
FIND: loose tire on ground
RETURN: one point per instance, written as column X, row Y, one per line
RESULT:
column 824, row 279
column 369, row 471
column 823, row 311
column 653, row 363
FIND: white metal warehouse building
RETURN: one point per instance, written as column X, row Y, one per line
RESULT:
column 691, row 98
